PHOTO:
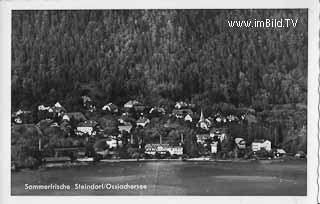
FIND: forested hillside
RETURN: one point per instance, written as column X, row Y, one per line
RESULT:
column 158, row 56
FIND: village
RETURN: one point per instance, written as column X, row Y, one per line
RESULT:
column 182, row 101
column 121, row 135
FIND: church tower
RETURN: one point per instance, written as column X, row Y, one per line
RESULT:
column 201, row 117
column 202, row 122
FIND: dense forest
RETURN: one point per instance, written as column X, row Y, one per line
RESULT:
column 157, row 56
column 162, row 56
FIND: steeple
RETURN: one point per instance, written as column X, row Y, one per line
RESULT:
column 201, row 117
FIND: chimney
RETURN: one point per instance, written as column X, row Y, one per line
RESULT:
column 160, row 139
column 181, row 138
column 131, row 140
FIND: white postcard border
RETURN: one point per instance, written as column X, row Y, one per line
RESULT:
column 5, row 83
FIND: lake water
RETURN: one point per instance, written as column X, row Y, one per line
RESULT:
column 172, row 178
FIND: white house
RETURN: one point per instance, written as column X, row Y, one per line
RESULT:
column 143, row 121
column 180, row 105
column 110, row 107
column 240, row 142
column 232, row 118
column 188, row 118
column 113, row 143
column 221, row 133
column 177, row 150
column 222, row 136
column 179, row 115
column 214, row 147
column 18, row 120
column 87, row 127
column 157, row 110
column 259, row 144
column 280, row 152
column 131, row 103
column 58, row 105
column 125, row 126
column 58, row 109
column 44, row 108
column 105, row 108
column 153, row 148
column 66, row 117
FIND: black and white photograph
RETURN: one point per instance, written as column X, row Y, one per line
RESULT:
column 159, row 102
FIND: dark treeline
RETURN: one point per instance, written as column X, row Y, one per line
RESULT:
column 158, row 56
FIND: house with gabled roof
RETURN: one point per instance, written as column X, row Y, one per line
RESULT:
column 87, row 127
column 45, row 112
column 113, row 142
column 110, row 107
column 183, row 105
column 44, row 108
column 180, row 105
column 232, row 118
column 259, row 144
column 240, row 142
column 157, row 111
column 188, row 118
column 125, row 126
column 220, row 133
column 131, row 104
column 181, row 113
column 214, row 147
column 78, row 116
column 152, row 149
column 22, row 116
column 143, row 121
column 58, row 109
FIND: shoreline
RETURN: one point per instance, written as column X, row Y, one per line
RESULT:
column 89, row 163
column 194, row 160
column 85, row 163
